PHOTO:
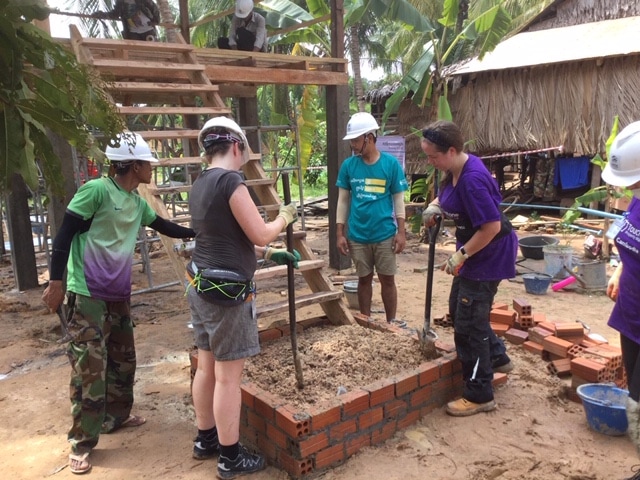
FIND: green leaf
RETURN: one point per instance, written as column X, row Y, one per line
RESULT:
column 613, row 135
column 444, row 111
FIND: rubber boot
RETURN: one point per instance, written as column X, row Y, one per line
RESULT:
column 633, row 418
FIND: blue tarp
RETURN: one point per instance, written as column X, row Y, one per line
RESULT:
column 571, row 172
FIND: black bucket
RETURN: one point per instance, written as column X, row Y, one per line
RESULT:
column 531, row 247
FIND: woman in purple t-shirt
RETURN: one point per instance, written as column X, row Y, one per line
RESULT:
column 623, row 170
column 486, row 254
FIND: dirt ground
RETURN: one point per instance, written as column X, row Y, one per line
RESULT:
column 536, row 433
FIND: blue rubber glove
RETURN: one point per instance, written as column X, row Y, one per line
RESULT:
column 281, row 256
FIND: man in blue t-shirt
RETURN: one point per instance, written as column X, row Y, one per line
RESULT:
column 371, row 186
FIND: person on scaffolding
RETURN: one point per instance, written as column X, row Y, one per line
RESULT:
column 139, row 19
column 95, row 243
column 248, row 30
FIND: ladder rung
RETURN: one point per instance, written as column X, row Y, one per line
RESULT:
column 168, row 134
column 154, row 87
column 133, row 45
column 256, row 182
column 134, row 68
column 280, row 270
column 301, row 301
column 173, row 110
column 169, row 190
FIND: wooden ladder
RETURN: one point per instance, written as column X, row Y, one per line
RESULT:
column 155, row 78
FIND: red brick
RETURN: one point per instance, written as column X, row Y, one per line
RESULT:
column 538, row 333
column 313, row 444
column 322, row 417
column 249, row 391
column 499, row 306
column 406, row 382
column 330, row 456
column 395, row 409
column 499, row 379
column 504, row 317
column 367, row 419
column 267, row 447
column 354, row 403
column 270, row 335
column 421, row 396
column 276, row 436
column 588, row 369
column 265, row 405
column 533, row 347
column 411, row 418
column 383, row 434
column 357, row 443
column 522, row 307
column 338, row 432
column 381, row 391
column 256, row 421
column 560, row 368
column 294, row 423
column 499, row 328
column 547, row 325
column 445, row 347
column 539, row 317
column 429, row 373
column 556, row 346
column 296, row 468
column 517, row 337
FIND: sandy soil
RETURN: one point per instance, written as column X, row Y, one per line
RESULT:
column 536, row 433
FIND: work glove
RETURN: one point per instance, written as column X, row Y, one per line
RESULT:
column 281, row 256
column 289, row 213
column 429, row 214
column 454, row 263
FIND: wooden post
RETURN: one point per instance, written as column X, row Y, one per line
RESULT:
column 337, row 117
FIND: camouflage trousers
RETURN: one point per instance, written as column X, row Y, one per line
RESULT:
column 103, row 363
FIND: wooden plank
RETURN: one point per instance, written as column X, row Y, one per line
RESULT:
column 168, row 134
column 176, row 162
column 281, row 76
column 136, row 68
column 173, row 110
column 301, row 301
column 151, row 87
column 281, row 270
column 260, row 182
column 133, row 45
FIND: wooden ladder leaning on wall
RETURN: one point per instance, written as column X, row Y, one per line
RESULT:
column 154, row 78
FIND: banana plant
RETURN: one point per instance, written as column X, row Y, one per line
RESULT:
column 456, row 38
column 43, row 87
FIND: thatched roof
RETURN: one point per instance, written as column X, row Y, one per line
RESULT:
column 560, row 45
column 548, row 88
column 379, row 95
column 563, row 13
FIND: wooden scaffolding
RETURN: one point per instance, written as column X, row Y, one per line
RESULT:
column 155, row 79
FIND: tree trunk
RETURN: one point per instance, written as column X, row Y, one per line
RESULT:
column 166, row 16
column 354, row 53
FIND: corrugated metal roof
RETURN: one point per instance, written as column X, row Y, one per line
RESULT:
column 559, row 45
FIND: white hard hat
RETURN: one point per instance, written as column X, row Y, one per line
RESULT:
column 232, row 127
column 359, row 124
column 243, row 8
column 623, row 167
column 132, row 147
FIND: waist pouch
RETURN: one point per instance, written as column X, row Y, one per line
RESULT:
column 219, row 286
column 465, row 231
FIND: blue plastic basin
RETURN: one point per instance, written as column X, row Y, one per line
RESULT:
column 604, row 406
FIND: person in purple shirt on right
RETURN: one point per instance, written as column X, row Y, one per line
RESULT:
column 486, row 253
column 623, row 170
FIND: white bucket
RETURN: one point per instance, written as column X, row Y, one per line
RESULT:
column 555, row 258
column 351, row 292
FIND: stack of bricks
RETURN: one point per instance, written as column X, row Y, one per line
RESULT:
column 565, row 345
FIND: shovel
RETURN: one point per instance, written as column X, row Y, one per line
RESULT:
column 291, row 289
column 428, row 336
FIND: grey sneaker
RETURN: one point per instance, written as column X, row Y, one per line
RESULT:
column 246, row 462
column 206, row 447
column 506, row 368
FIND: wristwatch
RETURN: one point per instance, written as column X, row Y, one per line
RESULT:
column 464, row 253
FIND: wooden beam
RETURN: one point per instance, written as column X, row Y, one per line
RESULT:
column 270, row 76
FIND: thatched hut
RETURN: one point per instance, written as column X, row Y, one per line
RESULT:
column 558, row 83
